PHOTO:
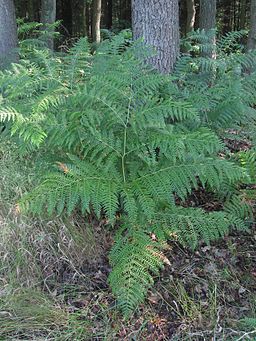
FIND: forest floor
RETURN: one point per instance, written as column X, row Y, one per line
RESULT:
column 53, row 282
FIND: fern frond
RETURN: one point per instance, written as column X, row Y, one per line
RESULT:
column 135, row 259
column 190, row 226
column 69, row 189
column 8, row 114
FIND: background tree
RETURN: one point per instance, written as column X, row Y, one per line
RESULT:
column 191, row 15
column 207, row 21
column 158, row 24
column 107, row 14
column 96, row 21
column 8, row 33
column 251, row 43
column 79, row 18
column 243, row 13
column 48, row 18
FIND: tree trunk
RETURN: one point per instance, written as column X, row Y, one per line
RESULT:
column 31, row 10
column 207, row 22
column 251, row 43
column 88, row 16
column 8, row 33
column 96, row 16
column 183, row 17
column 243, row 11
column 227, row 16
column 125, row 10
column 207, row 19
column 191, row 15
column 48, row 17
column 157, row 22
column 79, row 18
column 107, row 14
column 64, row 13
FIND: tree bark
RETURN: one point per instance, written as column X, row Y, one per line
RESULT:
column 207, row 22
column 79, row 18
column 207, row 19
column 48, row 17
column 8, row 33
column 243, row 11
column 125, row 10
column 107, row 14
column 96, row 16
column 191, row 15
column 251, row 43
column 157, row 22
column 227, row 16
column 64, row 13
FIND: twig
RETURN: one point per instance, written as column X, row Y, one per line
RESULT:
column 246, row 334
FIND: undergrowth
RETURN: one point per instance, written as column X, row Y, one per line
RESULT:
column 113, row 140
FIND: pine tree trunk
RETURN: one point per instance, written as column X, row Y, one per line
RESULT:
column 227, row 17
column 48, row 17
column 207, row 19
column 88, row 20
column 64, row 13
column 251, row 43
column 183, row 17
column 125, row 11
column 243, row 11
column 31, row 10
column 191, row 15
column 79, row 18
column 157, row 22
column 107, row 14
column 96, row 16
column 207, row 22
column 8, row 33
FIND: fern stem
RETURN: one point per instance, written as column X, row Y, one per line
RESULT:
column 124, row 150
column 125, row 138
column 123, row 168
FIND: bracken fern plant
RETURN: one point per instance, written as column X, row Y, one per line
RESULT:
column 222, row 90
column 113, row 140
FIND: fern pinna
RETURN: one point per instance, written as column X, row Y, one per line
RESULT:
column 120, row 143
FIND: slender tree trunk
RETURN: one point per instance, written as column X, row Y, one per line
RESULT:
column 243, row 10
column 125, row 10
column 31, row 10
column 107, row 14
column 207, row 22
column 8, row 33
column 191, row 15
column 48, row 17
column 183, row 17
column 64, row 13
column 251, row 43
column 88, row 20
column 78, row 18
column 197, row 4
column 96, row 16
column 157, row 22
column 227, row 17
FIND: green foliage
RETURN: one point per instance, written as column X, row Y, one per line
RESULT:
column 123, row 141
column 249, row 323
column 247, row 159
column 222, row 90
column 135, row 258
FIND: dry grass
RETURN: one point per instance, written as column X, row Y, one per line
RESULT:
column 42, row 262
